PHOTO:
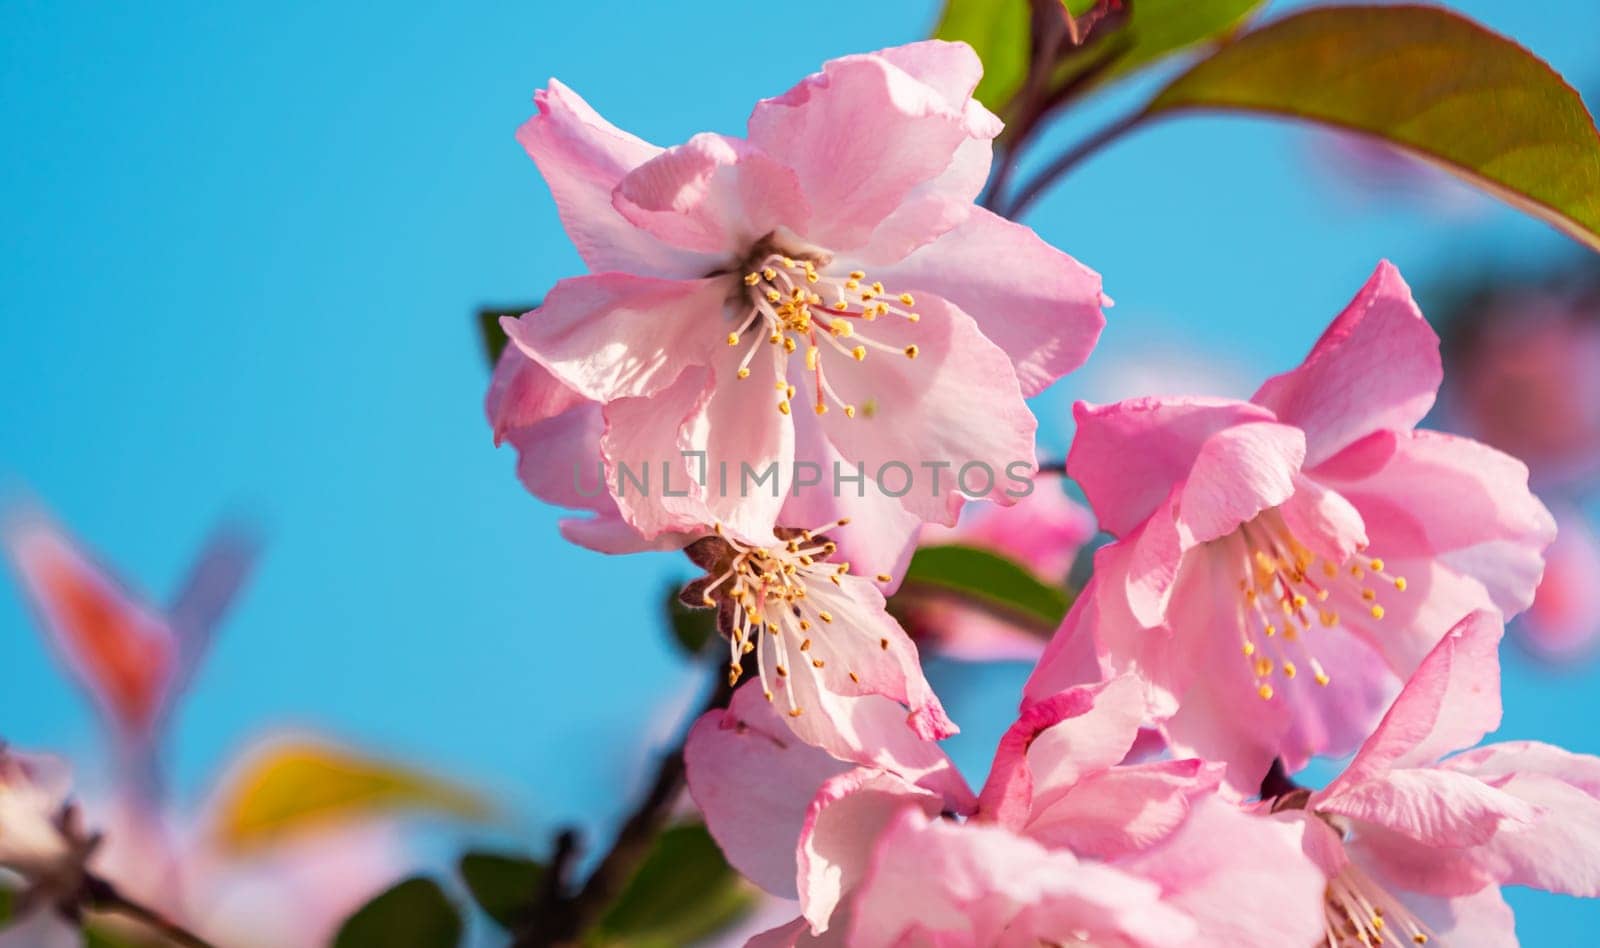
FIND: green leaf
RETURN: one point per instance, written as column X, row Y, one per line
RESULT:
column 489, row 332
column 8, row 900
column 683, row 892
column 1428, row 81
column 413, row 914
column 999, row 31
column 985, row 579
column 691, row 628
column 1155, row 29
column 505, row 887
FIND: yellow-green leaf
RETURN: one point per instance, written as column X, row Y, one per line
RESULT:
column 999, row 31
column 683, row 892
column 299, row 786
column 414, row 914
column 1428, row 81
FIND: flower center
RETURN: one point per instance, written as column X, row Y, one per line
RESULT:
column 799, row 307
column 771, row 589
column 1286, row 591
column 1360, row 912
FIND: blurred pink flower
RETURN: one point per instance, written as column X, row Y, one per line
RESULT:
column 1309, row 534
column 1562, row 624
column 1526, row 379
column 729, row 309
column 1043, row 531
column 1416, row 844
column 41, row 836
column 1063, row 845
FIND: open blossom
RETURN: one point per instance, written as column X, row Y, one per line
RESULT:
column 1283, row 564
column 1043, row 532
column 1065, row 845
column 820, row 635
column 1563, row 624
column 1416, row 844
column 821, row 291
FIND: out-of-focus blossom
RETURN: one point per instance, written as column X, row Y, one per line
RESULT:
column 1064, row 845
column 820, row 635
column 1525, row 377
column 1044, row 532
column 135, row 660
column 43, row 842
column 821, row 291
column 1562, row 624
column 1416, row 844
column 1283, row 564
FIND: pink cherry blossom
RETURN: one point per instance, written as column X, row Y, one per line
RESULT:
column 822, row 291
column 820, row 635
column 1283, row 564
column 1043, row 531
column 1416, row 844
column 1064, row 845
column 42, row 841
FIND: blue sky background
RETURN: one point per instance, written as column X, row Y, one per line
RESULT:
column 239, row 251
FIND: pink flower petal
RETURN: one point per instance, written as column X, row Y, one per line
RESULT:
column 1038, row 304
column 1124, row 810
column 1376, row 368
column 1129, row 456
column 955, row 404
column 582, row 158
column 523, row 392
column 861, row 135
column 1451, row 701
column 842, row 826
column 714, row 195
column 1070, row 658
column 615, row 335
column 1239, row 472
column 1435, row 807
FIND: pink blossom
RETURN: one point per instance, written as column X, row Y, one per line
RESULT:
column 823, row 290
column 820, row 635
column 1416, row 844
column 42, row 841
column 1043, row 532
column 1064, row 845
column 1283, row 564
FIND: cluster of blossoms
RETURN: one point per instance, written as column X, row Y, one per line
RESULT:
column 1304, row 573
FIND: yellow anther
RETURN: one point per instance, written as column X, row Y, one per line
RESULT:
column 1271, row 630
column 825, row 615
column 1299, row 601
column 841, row 306
column 788, row 345
column 883, row 644
column 816, row 663
column 733, row 339
column 1323, row 679
column 789, row 390
column 744, row 372
column 1263, row 667
column 1249, row 649
column 1265, row 691
column 1329, row 618
column 1377, row 612
column 1376, row 565
column 1289, row 669
column 788, row 263
column 853, row 284
column 796, row 712
column 1329, row 570
column 811, row 276
column 822, row 409
column 914, row 317
column 859, row 353
column 840, row 327
column 885, row 578
column 858, row 274
column 1322, row 595
column 1368, row 595
column 773, row 296
column 849, row 411
column 752, row 278
column 783, row 407
column 877, row 288
column 1400, row 584
column 908, row 299
column 811, row 357
column 769, row 273
column 911, row 351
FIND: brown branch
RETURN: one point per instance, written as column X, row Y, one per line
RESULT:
column 102, row 896
column 561, row 918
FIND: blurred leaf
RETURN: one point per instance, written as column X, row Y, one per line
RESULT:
column 691, row 628
column 684, row 891
column 505, row 887
column 413, row 914
column 8, row 901
column 985, row 579
column 999, row 31
column 99, row 936
column 1155, row 29
column 494, row 338
column 298, row 786
column 1424, row 79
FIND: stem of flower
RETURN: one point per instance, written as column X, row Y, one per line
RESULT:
column 1069, row 159
column 102, row 896
column 561, row 918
